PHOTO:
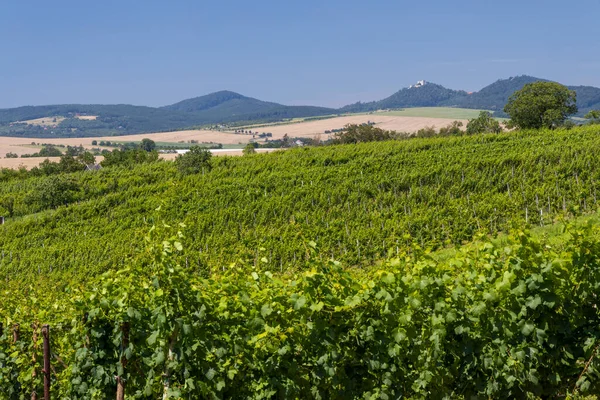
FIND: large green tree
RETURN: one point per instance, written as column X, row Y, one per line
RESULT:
column 148, row 145
column 541, row 105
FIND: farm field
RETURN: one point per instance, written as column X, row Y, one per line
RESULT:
column 30, row 162
column 435, row 112
column 390, row 122
column 308, row 129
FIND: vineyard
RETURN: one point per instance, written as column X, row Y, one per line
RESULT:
column 223, row 284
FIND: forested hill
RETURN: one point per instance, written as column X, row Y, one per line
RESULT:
column 80, row 120
column 227, row 106
column 492, row 97
column 424, row 94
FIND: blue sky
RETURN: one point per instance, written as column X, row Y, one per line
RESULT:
column 294, row 52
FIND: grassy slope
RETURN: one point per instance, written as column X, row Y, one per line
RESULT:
column 357, row 202
column 435, row 112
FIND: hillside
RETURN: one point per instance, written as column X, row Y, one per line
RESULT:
column 492, row 97
column 424, row 94
column 354, row 201
column 226, row 106
column 221, row 107
column 227, row 280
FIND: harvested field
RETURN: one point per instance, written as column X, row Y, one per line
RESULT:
column 28, row 163
column 308, row 129
column 46, row 121
column 390, row 122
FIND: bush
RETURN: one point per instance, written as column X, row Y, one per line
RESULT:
column 249, row 149
column 362, row 133
column 485, row 123
column 198, row 159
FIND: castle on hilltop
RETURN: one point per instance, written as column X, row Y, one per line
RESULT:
column 418, row 84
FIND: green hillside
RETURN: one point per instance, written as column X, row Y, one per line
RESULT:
column 355, row 202
column 427, row 95
column 216, row 108
column 222, row 284
column 492, row 97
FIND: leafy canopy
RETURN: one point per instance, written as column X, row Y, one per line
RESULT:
column 483, row 124
column 362, row 133
column 593, row 117
column 194, row 161
column 541, row 105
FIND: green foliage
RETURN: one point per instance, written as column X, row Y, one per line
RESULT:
column 250, row 148
column 52, row 193
column 46, row 151
column 353, row 133
column 12, row 155
column 454, row 129
column 517, row 320
column 541, row 105
column 593, row 117
column 128, row 157
column 148, row 145
column 355, row 201
column 197, row 160
column 255, row 307
column 485, row 123
column 426, row 132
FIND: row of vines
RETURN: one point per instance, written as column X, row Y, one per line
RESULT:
column 356, row 201
column 515, row 320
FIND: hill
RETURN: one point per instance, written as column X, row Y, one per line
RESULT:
column 344, row 197
column 226, row 106
column 423, row 94
column 220, row 107
column 492, row 97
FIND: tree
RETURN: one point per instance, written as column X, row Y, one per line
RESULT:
column 8, row 204
column 86, row 158
column 68, row 164
column 593, row 117
column 194, row 161
column 362, row 133
column 485, row 123
column 249, row 149
column 454, row 129
column 49, row 151
column 148, row 145
column 54, row 192
column 541, row 105
column 11, row 155
column 94, row 143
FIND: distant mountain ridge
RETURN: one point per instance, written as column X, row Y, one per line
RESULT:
column 492, row 97
column 225, row 107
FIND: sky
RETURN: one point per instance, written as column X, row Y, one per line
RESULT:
column 328, row 53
